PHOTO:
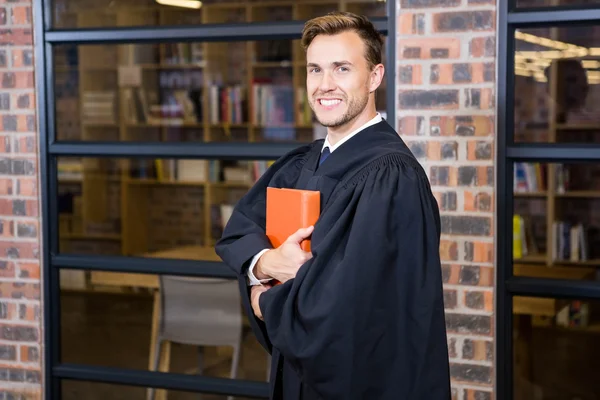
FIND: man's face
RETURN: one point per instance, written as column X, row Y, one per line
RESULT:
column 338, row 78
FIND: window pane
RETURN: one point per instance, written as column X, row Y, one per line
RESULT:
column 107, row 13
column 556, row 223
column 558, row 85
column 556, row 3
column 185, row 92
column 83, row 390
column 114, row 319
column 556, row 353
column 146, row 207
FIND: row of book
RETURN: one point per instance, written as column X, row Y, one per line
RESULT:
column 529, row 177
column 532, row 177
column 571, row 241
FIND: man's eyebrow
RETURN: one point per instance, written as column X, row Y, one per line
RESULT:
column 335, row 64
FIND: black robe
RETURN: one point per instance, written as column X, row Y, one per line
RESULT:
column 364, row 318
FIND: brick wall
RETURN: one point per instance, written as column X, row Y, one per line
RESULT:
column 446, row 100
column 20, row 314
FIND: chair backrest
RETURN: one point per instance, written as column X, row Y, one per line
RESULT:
column 200, row 311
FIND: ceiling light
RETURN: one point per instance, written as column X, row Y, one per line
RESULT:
column 181, row 3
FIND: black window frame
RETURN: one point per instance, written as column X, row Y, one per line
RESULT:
column 511, row 18
column 45, row 37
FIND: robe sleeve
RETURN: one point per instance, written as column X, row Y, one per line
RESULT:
column 364, row 318
column 244, row 235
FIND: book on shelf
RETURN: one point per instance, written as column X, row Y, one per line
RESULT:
column 529, row 177
column 524, row 242
column 570, row 242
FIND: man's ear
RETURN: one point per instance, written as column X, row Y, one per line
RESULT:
column 376, row 77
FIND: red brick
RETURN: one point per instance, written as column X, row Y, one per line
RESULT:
column 476, row 394
column 25, row 144
column 446, row 200
column 16, row 37
column 448, row 250
column 5, row 143
column 476, row 125
column 428, row 99
column 478, row 300
column 19, row 250
column 17, row 80
column 3, row 15
column 479, row 252
column 29, row 353
column 480, row 150
column 22, row 58
column 451, row 274
column 478, row 201
column 441, row 74
column 21, row 15
column 428, row 3
column 411, row 24
column 464, row 21
column 483, row 47
column 450, row 299
column 480, row 374
column 410, row 74
column 428, row 48
column 29, row 270
column 6, row 229
column 30, row 312
column 7, row 269
column 6, row 186
column 19, row 290
column 411, row 126
column 23, row 101
column 27, row 187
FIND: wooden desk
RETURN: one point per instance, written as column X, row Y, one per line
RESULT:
column 150, row 281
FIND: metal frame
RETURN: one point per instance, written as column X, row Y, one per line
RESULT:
column 51, row 149
column 511, row 18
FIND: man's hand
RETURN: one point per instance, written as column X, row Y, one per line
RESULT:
column 284, row 262
column 255, row 293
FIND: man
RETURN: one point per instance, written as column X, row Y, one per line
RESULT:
column 361, row 316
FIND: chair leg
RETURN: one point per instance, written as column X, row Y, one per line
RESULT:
column 235, row 361
column 159, row 341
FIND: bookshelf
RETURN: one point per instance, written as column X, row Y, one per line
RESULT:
column 556, row 225
column 192, row 92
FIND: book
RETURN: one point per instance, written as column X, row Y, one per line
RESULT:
column 288, row 210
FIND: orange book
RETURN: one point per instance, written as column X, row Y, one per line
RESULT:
column 289, row 210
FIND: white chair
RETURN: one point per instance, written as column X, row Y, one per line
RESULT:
column 200, row 312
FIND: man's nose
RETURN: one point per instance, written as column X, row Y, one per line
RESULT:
column 327, row 82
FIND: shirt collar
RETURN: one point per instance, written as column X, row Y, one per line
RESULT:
column 373, row 121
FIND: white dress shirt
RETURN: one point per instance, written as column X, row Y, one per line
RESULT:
column 252, row 280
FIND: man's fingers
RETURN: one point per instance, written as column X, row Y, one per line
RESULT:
column 300, row 234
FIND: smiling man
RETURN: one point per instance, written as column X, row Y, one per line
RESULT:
column 361, row 316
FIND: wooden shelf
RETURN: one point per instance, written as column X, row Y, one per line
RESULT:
column 532, row 258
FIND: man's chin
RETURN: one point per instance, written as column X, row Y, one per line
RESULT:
column 331, row 122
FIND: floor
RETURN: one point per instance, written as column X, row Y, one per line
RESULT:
column 114, row 330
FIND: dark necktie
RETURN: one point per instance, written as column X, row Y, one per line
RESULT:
column 324, row 154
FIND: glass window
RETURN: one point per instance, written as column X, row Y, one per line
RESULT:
column 555, row 348
column 558, row 79
column 185, row 92
column 109, row 13
column 84, row 390
column 146, row 207
column 556, row 223
column 556, row 3
column 117, row 319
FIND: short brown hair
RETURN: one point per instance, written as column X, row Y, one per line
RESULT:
column 338, row 22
